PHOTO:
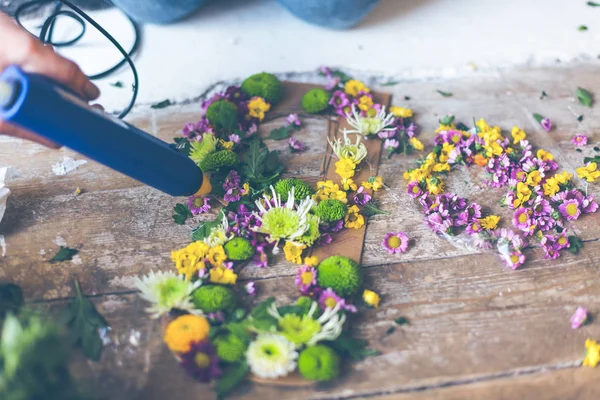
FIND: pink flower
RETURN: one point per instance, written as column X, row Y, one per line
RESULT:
column 306, row 279
column 570, row 209
column 250, row 288
column 361, row 198
column 198, row 204
column 474, row 227
column 546, row 124
column 390, row 145
column 579, row 140
column 515, row 259
column 521, row 218
column 414, row 190
column 296, row 146
column 293, row 119
column 579, row 317
column 329, row 299
column 234, row 138
column 395, row 243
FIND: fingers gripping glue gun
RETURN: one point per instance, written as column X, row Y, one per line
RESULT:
column 43, row 106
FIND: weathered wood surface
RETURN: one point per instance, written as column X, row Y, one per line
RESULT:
column 477, row 330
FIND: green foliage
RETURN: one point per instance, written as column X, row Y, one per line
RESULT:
column 222, row 114
column 370, row 209
column 538, row 117
column 353, row 348
column 281, row 133
column 447, row 120
column 302, row 189
column 213, row 298
column 264, row 85
column 304, row 303
column 401, row 321
column 316, row 100
column 445, row 94
column 259, row 317
column 231, row 378
column 331, row 210
column 230, row 347
column 239, row 249
column 162, row 104
column 63, row 254
column 319, row 363
column 575, row 244
column 33, row 361
column 84, row 323
column 11, row 298
column 261, row 166
column 341, row 274
column 217, row 160
column 584, row 97
column 203, row 230
column 182, row 213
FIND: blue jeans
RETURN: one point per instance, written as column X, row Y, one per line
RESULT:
column 334, row 14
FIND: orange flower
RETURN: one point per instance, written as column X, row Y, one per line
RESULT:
column 185, row 330
column 480, row 160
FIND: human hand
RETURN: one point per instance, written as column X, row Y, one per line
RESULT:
column 22, row 49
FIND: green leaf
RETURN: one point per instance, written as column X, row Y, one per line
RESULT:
column 281, row 133
column 596, row 148
column 63, row 254
column 580, row 118
column 182, row 213
column 231, row 378
column 445, row 94
column 390, row 83
column 593, row 4
column 582, row 28
column 117, row 84
column 595, row 159
column 370, row 209
column 290, row 309
column 447, row 120
column 544, row 94
column 575, row 244
column 11, row 298
column 401, row 321
column 462, row 127
column 262, row 166
column 584, row 97
column 84, row 323
column 203, row 230
column 538, row 117
column 260, row 318
column 162, row 104
column 342, row 75
column 390, row 330
column 183, row 145
column 353, row 348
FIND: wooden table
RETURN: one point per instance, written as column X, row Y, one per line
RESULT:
column 477, row 329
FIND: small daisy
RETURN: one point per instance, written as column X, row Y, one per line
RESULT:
column 198, row 204
column 395, row 243
column 306, row 279
column 579, row 140
column 570, row 209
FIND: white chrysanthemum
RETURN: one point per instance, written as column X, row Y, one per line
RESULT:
column 348, row 150
column 283, row 220
column 218, row 234
column 166, row 291
column 366, row 126
column 271, row 356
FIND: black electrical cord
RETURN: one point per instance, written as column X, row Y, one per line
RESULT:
column 47, row 31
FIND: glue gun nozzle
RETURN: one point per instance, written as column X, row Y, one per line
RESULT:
column 206, row 187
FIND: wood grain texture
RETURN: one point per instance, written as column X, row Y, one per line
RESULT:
column 476, row 329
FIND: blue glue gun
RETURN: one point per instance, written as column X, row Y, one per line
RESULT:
column 45, row 107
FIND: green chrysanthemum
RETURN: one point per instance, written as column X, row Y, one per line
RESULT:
column 230, row 348
column 312, row 233
column 222, row 114
column 316, row 100
column 302, row 189
column 218, row 160
column 213, row 298
column 341, row 274
column 203, row 148
column 264, row 85
column 319, row 363
column 298, row 330
column 281, row 222
column 331, row 210
column 239, row 249
column 166, row 291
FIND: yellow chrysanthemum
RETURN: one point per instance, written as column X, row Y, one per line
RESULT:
column 441, row 167
column 348, row 184
column 489, row 222
column 589, row 172
column 216, row 256
column 311, row 261
column 345, row 168
column 223, row 276
column 353, row 219
column 401, row 112
column 371, row 298
column 518, row 134
column 365, row 103
column 375, row 183
column 226, row 145
column 534, row 178
column 544, row 155
column 416, row 144
column 189, row 260
column 185, row 330
column 563, row 178
column 257, row 107
column 592, row 358
column 293, row 252
column 353, row 87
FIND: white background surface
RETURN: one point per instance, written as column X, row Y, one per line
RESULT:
column 401, row 39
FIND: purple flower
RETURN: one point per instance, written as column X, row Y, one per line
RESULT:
column 232, row 180
column 474, row 227
column 390, row 145
column 324, row 239
column 234, row 138
column 296, row 146
column 252, row 129
column 546, row 124
column 325, row 71
column 293, row 119
column 339, row 100
column 387, row 135
column 333, row 83
column 570, row 209
column 521, row 219
column 474, row 211
column 329, row 299
column 579, row 318
column 579, row 140
column 541, row 206
column 361, row 197
column 589, row 205
column 395, row 243
column 306, row 279
column 515, row 259
column 198, row 204
column 551, row 253
column 201, row 362
column 260, row 258
column 250, row 288
column 414, row 190
column 336, row 226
